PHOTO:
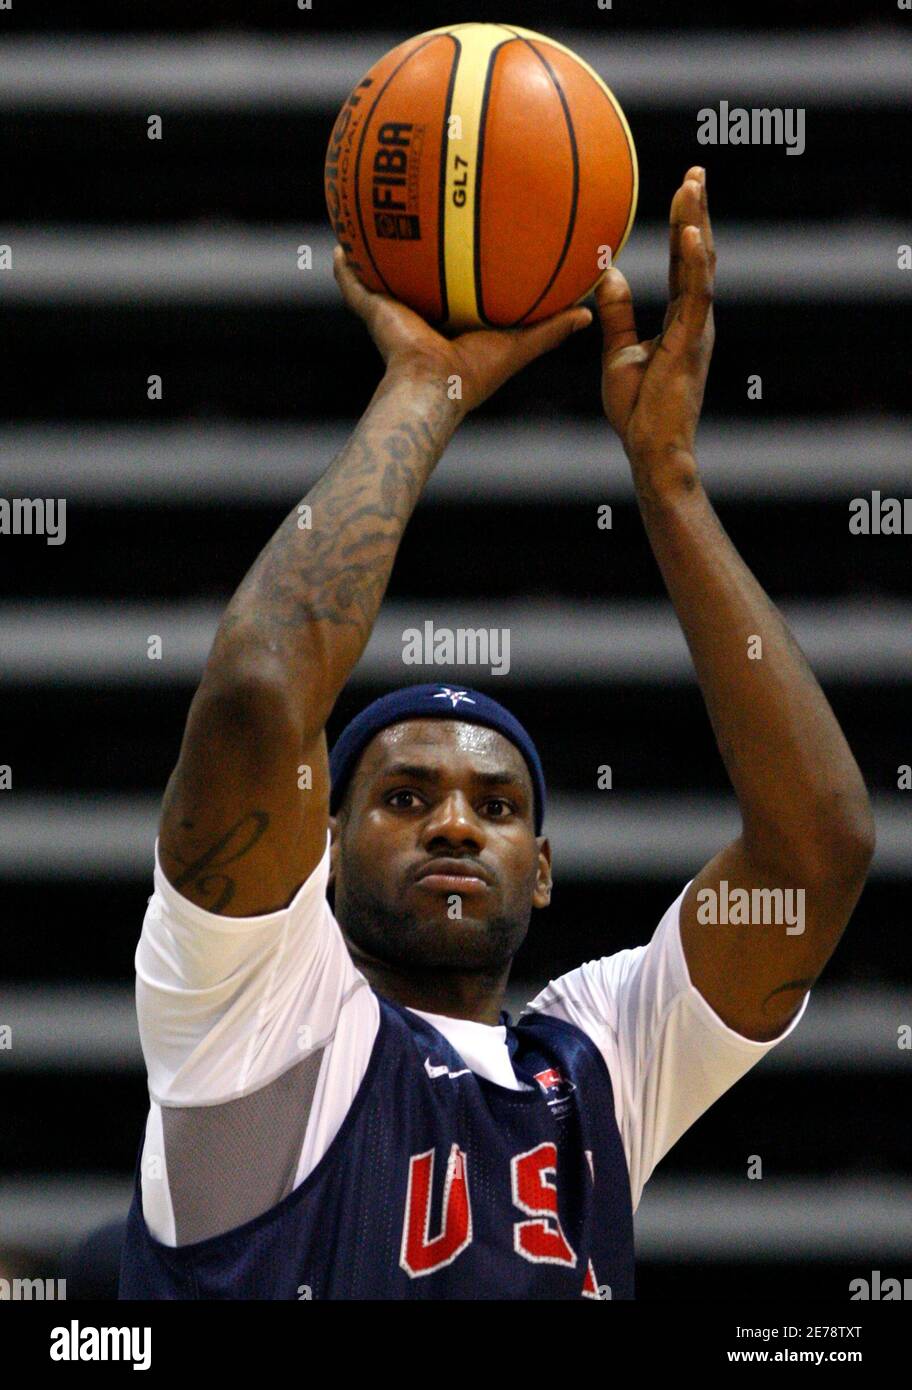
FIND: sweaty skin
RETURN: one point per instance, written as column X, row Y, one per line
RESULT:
column 427, row 789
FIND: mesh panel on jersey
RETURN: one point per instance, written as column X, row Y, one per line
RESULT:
column 229, row 1163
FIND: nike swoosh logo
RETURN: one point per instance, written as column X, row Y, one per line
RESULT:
column 434, row 1072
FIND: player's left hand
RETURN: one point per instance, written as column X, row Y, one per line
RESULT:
column 652, row 391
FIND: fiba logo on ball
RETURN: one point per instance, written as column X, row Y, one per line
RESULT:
column 478, row 172
column 395, row 181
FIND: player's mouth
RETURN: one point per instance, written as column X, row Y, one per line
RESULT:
column 452, row 876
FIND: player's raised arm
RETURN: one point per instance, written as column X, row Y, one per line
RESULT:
column 238, row 835
column 808, row 831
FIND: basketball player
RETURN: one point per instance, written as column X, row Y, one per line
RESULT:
column 339, row 1107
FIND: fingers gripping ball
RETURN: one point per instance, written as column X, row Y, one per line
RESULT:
column 478, row 172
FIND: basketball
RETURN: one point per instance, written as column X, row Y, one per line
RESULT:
column 482, row 174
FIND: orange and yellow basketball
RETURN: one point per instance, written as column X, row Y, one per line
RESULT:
column 482, row 174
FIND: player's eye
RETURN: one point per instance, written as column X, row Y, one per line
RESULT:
column 403, row 791
column 500, row 801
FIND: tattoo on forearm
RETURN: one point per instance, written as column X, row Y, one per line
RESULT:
column 239, row 840
column 337, row 571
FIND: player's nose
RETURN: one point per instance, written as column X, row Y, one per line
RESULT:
column 454, row 818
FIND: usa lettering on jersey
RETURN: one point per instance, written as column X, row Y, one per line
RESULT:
column 538, row 1237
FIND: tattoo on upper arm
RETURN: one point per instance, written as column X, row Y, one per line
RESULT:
column 236, row 842
column 802, row 985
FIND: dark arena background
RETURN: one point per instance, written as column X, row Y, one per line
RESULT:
column 176, row 257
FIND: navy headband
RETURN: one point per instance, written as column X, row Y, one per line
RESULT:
column 431, row 702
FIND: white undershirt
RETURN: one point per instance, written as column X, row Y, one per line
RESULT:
column 482, row 1046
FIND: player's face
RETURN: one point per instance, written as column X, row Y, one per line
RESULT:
column 435, row 789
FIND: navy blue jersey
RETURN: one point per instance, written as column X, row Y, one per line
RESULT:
column 440, row 1184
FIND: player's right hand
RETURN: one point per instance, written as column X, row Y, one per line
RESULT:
column 480, row 361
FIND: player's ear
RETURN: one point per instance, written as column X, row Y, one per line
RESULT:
column 544, row 882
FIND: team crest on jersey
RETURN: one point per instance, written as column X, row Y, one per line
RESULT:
column 556, row 1087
